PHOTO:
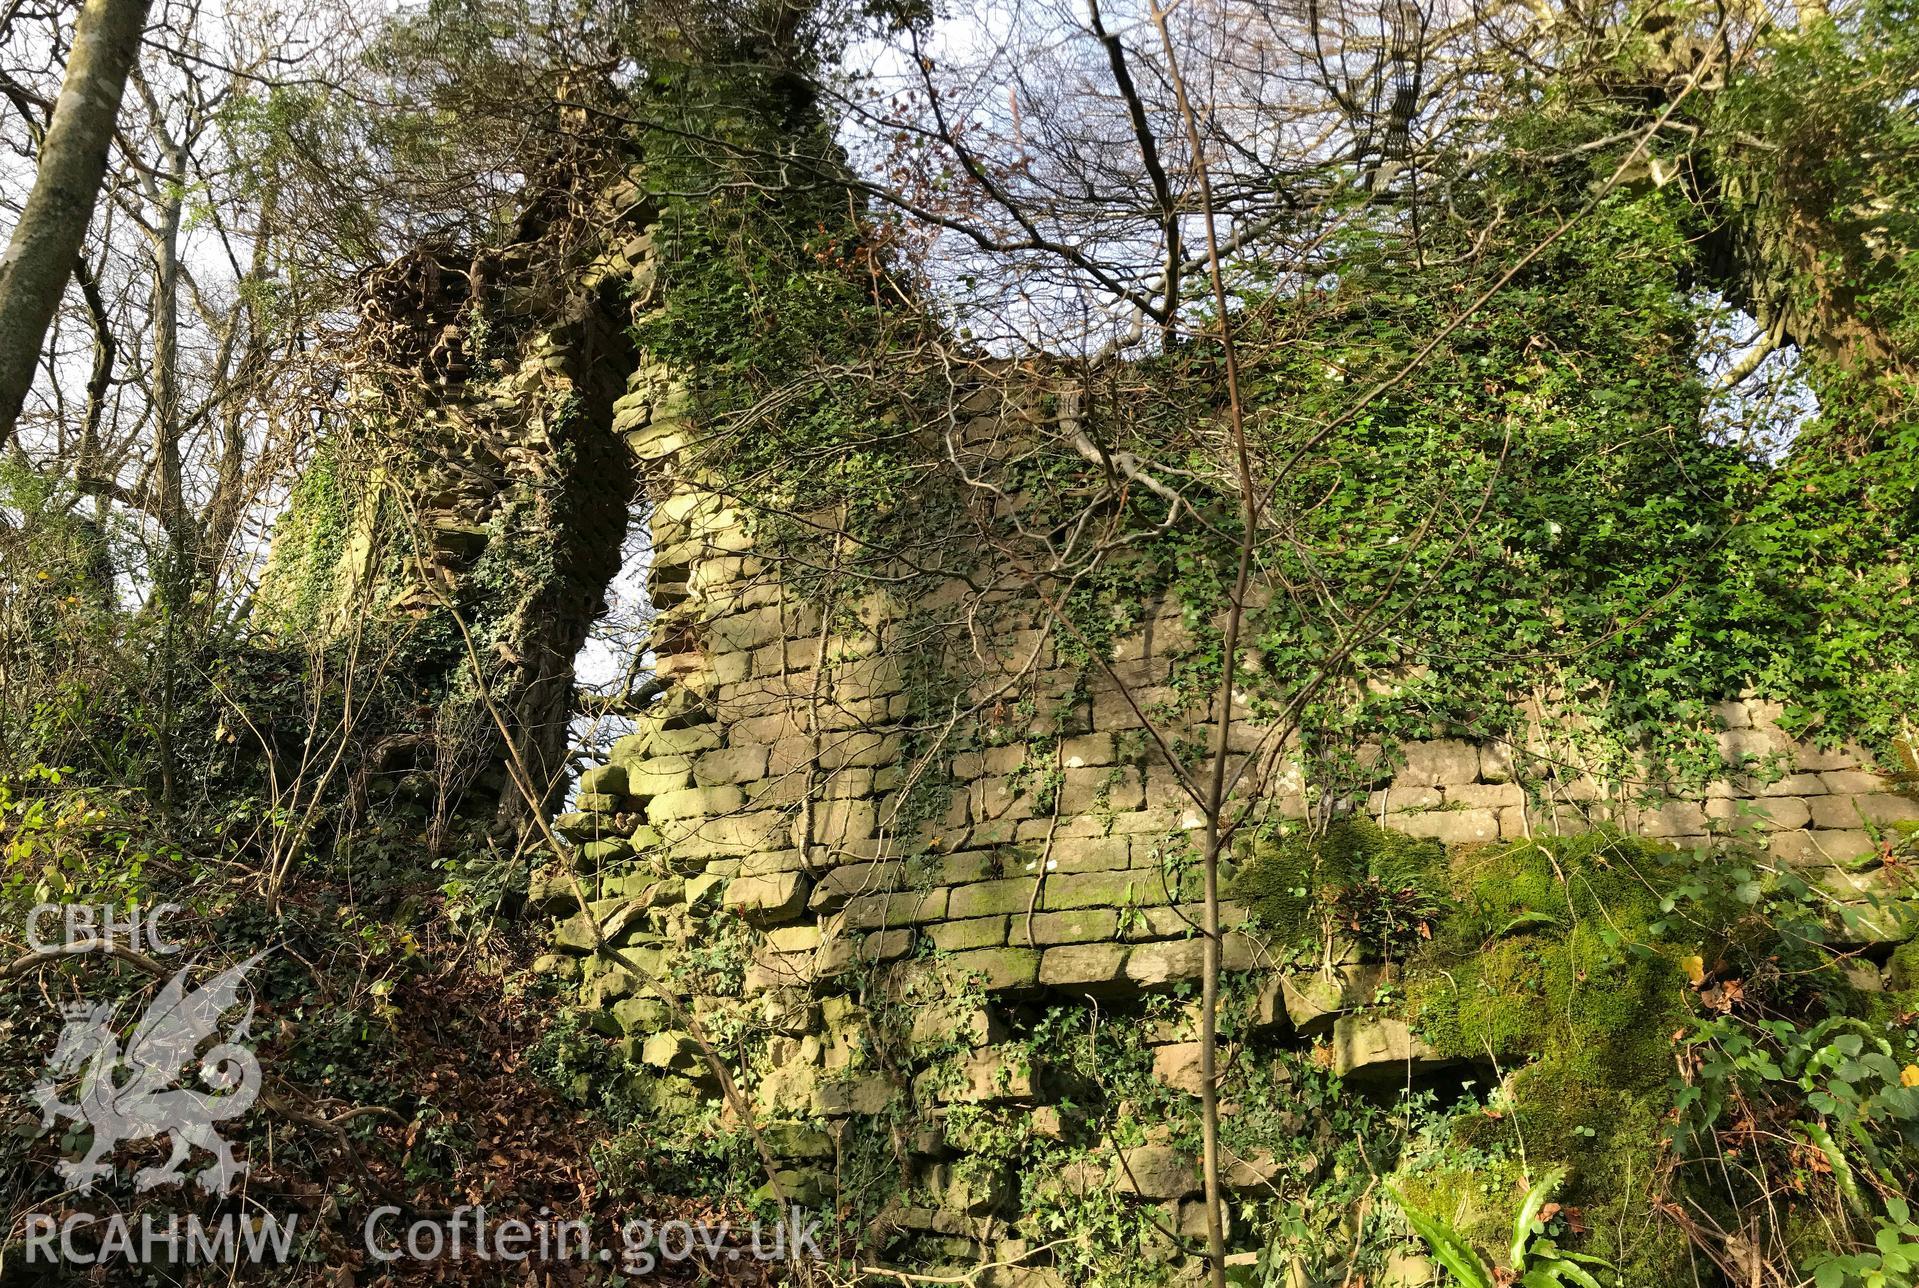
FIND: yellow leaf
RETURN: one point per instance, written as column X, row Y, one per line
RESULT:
column 1909, row 1077
column 1695, row 968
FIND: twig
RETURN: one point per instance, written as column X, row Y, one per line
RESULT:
column 82, row 948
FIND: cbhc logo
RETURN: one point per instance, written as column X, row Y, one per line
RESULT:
column 135, row 928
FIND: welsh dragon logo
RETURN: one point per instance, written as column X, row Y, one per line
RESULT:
column 130, row 1094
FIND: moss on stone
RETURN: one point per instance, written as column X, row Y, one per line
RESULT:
column 1551, row 952
column 1549, row 966
column 1291, row 885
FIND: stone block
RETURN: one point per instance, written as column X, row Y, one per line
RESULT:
column 1794, row 785
column 976, row 1194
column 1116, row 788
column 1088, row 751
column 1377, row 1048
column 641, row 1015
column 578, row 826
column 730, row 765
column 1452, row 826
column 770, row 729
column 694, row 802
column 948, row 1021
column 1438, row 763
column 692, row 843
column 1850, row 812
column 990, row 834
column 1070, row 854
column 758, row 627
column 780, row 971
column 863, row 1094
column 796, row 1140
column 1163, row 791
column 1552, row 820
column 1192, row 1217
column 1771, row 814
column 1177, row 1065
column 850, row 716
column 607, row 779
column 858, row 748
column 845, row 954
column 1815, row 759
column 1154, row 967
column 841, row 828
column 597, row 855
column 1065, row 891
column 964, row 867
column 1255, row 1171
column 975, row 932
column 1739, row 747
column 1156, row 1172
column 1083, row 925
column 602, row 988
column 998, row 969
column 900, row 908
column 1314, row 1000
column 846, row 784
column 1495, row 762
column 1085, row 967
column 1486, row 795
column 794, row 939
column 1401, row 798
column 1178, row 920
column 1674, row 818
column 683, row 742
column 788, row 1089
column 551, row 891
column 764, row 863
column 841, row 883
column 1143, row 821
column 1733, row 715
column 772, row 793
column 1001, row 798
column 1811, row 849
column 674, row 1052
column 986, row 898
column 863, row 678
column 766, row 900
column 614, row 916
column 1112, row 711
column 987, row 1076
column 657, row 774
column 1854, row 782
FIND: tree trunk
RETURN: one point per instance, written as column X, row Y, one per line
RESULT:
column 174, row 580
column 54, row 222
column 172, row 583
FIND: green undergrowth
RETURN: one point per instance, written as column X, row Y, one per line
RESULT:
column 1670, row 1028
column 1552, row 962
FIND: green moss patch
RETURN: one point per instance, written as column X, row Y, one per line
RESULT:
column 1358, row 881
column 1551, row 964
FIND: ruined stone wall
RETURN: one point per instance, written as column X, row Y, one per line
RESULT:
column 883, row 823
column 915, row 836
